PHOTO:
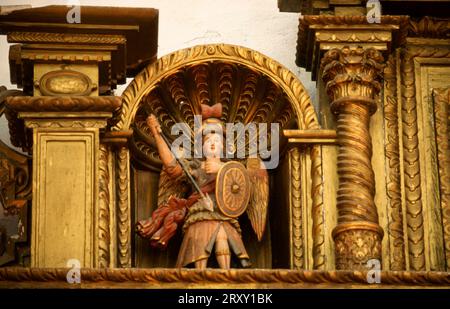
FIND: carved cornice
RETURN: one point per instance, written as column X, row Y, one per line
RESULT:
column 354, row 20
column 358, row 7
column 46, row 37
column 319, row 33
column 64, row 104
column 150, row 278
column 116, row 138
column 430, row 27
column 58, row 123
column 67, row 56
column 98, row 108
column 108, row 37
column 321, row 136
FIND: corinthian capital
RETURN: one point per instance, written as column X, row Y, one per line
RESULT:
column 352, row 74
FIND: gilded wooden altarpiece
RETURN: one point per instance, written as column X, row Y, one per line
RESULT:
column 382, row 89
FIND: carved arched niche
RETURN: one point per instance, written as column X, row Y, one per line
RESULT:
column 251, row 88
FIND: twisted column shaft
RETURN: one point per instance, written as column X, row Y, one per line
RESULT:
column 357, row 186
column 352, row 81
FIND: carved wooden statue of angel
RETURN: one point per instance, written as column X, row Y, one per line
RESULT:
column 220, row 191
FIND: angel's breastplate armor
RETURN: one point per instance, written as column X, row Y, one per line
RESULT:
column 198, row 211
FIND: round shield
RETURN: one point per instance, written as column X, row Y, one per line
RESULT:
column 232, row 189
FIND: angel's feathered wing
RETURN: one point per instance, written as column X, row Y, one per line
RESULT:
column 169, row 186
column 259, row 199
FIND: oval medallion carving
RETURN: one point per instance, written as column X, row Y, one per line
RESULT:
column 65, row 82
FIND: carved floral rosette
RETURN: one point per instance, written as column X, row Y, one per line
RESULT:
column 356, row 244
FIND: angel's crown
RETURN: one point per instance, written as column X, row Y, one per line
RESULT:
column 211, row 112
column 211, row 117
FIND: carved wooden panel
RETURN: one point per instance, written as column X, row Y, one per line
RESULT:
column 424, row 68
column 63, row 223
column 441, row 98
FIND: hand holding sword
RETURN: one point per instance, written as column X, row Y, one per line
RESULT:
column 165, row 152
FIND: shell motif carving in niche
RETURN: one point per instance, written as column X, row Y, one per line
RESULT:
column 247, row 96
column 65, row 82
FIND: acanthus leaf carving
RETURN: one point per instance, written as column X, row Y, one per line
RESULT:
column 393, row 178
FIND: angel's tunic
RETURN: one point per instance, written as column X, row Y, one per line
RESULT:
column 201, row 225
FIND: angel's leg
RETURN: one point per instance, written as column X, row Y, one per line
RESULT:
column 201, row 264
column 222, row 249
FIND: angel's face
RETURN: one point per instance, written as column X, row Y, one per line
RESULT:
column 213, row 145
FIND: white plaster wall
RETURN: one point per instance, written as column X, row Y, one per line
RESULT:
column 256, row 24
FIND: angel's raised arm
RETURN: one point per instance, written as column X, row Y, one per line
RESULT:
column 166, row 155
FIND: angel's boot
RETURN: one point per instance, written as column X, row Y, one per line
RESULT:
column 246, row 263
column 222, row 249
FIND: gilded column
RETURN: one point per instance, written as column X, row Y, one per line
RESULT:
column 120, row 207
column 352, row 77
